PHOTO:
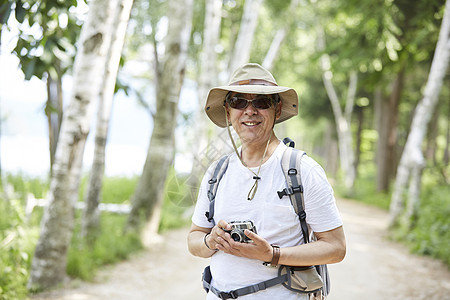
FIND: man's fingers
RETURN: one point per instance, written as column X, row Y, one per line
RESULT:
column 253, row 236
column 224, row 225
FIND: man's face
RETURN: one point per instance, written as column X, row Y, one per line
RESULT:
column 253, row 125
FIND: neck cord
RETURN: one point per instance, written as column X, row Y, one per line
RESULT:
column 252, row 192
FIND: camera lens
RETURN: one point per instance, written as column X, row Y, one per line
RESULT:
column 236, row 237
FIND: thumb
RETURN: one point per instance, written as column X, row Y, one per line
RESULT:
column 251, row 235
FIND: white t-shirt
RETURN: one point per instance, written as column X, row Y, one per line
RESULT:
column 274, row 218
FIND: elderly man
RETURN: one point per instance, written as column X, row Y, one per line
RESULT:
column 253, row 103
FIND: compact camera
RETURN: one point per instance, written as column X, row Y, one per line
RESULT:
column 237, row 230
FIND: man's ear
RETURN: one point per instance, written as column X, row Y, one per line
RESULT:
column 278, row 108
column 227, row 108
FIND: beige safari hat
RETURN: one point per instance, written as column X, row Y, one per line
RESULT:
column 250, row 78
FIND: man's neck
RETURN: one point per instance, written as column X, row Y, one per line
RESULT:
column 252, row 153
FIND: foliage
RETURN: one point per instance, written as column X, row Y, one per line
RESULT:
column 430, row 231
column 24, row 185
column 179, row 198
column 17, row 240
column 111, row 246
column 115, row 189
column 48, row 31
column 365, row 192
column 19, row 233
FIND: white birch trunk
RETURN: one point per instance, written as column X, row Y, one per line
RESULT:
column 244, row 41
column 342, row 119
column 150, row 189
column 412, row 159
column 208, row 79
column 118, row 31
column 54, row 111
column 279, row 37
column 49, row 262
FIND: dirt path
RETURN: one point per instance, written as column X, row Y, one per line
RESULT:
column 374, row 268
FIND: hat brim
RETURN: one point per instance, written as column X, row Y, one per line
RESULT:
column 215, row 102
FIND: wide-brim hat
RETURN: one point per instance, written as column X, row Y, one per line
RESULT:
column 250, row 78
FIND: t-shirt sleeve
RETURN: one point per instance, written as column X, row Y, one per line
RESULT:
column 202, row 205
column 320, row 204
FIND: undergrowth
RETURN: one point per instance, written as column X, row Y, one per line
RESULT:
column 19, row 232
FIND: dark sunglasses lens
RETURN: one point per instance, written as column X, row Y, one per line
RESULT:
column 238, row 103
column 262, row 102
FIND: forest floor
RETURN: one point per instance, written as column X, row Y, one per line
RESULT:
column 374, row 268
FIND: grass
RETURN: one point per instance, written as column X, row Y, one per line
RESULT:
column 19, row 233
column 17, row 241
column 365, row 191
column 111, row 246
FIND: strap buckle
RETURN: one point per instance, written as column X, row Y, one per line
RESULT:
column 229, row 295
column 210, row 195
column 290, row 191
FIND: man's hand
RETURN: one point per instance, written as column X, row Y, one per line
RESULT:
column 258, row 249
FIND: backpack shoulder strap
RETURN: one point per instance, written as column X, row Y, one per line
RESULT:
column 213, row 182
column 291, row 166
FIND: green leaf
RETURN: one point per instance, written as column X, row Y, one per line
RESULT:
column 21, row 12
column 29, row 70
column 5, row 12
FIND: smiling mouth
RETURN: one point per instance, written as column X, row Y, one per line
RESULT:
column 251, row 123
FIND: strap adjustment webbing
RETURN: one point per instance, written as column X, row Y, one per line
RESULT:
column 234, row 294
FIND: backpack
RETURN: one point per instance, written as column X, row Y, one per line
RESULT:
column 291, row 166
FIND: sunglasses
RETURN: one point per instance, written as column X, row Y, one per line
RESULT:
column 260, row 102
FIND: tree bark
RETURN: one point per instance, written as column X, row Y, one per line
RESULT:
column 54, row 112
column 244, row 41
column 387, row 134
column 91, row 222
column 432, row 136
column 342, row 119
column 49, row 262
column 207, row 79
column 412, row 160
column 149, row 192
column 280, row 36
column 360, row 115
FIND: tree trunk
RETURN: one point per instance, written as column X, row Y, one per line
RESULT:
column 360, row 115
column 432, row 136
column 279, row 37
column 91, row 222
column 207, row 79
column 244, row 41
column 387, row 139
column 49, row 262
column 150, row 189
column 412, row 159
column 331, row 150
column 342, row 119
column 446, row 155
column 54, row 111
